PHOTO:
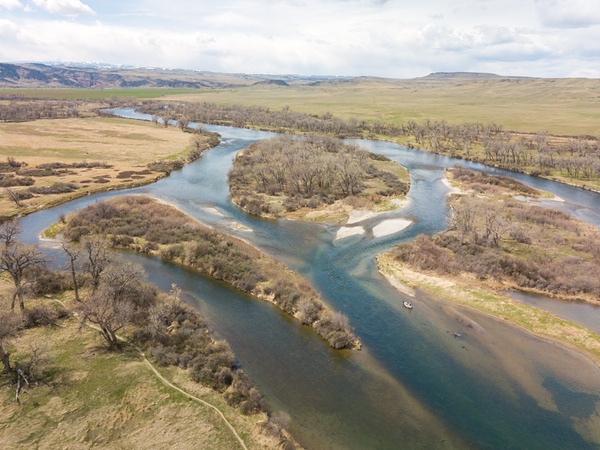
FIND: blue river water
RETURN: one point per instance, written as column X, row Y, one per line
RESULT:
column 414, row 385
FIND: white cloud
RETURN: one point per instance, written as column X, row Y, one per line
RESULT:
column 569, row 13
column 64, row 7
column 11, row 4
column 334, row 37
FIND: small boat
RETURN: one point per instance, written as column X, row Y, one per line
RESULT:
column 408, row 305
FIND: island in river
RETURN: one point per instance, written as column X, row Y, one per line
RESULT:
column 500, row 240
column 146, row 225
column 315, row 178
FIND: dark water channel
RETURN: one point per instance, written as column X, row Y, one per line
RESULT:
column 414, row 385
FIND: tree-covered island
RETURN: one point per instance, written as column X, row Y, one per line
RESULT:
column 317, row 177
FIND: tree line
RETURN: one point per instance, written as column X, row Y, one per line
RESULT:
column 538, row 154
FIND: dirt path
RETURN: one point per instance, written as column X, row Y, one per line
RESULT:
column 167, row 383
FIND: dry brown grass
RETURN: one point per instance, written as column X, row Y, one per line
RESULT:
column 126, row 145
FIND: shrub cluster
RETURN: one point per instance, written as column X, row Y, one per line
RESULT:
column 9, row 180
column 175, row 335
column 544, row 250
column 142, row 224
column 483, row 182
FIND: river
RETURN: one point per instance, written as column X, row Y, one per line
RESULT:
column 414, row 385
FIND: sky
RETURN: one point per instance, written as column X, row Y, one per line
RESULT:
column 385, row 38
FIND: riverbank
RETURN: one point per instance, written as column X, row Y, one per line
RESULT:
column 145, row 225
column 82, row 395
column 498, row 243
column 469, row 292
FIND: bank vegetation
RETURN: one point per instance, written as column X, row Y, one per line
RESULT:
column 511, row 243
column 572, row 159
column 59, row 373
column 496, row 243
column 146, row 225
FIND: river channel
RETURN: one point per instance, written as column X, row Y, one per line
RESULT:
column 414, row 385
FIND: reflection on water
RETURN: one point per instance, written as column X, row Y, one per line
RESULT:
column 415, row 385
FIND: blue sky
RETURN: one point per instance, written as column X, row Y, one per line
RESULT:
column 388, row 38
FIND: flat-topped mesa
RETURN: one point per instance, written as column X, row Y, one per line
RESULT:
column 146, row 225
column 296, row 177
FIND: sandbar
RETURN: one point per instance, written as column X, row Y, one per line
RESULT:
column 390, row 226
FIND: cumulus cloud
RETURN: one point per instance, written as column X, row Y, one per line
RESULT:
column 334, row 37
column 64, row 7
column 11, row 4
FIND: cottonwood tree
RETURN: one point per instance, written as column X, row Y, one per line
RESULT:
column 120, row 294
column 463, row 218
column 74, row 255
column 96, row 258
column 14, row 197
column 17, row 259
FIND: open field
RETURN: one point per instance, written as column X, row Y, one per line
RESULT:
column 558, row 106
column 119, row 149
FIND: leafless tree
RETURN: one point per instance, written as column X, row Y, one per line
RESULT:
column 113, row 305
column 74, row 254
column 17, row 259
column 97, row 258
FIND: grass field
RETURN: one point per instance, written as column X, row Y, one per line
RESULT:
column 126, row 146
column 558, row 106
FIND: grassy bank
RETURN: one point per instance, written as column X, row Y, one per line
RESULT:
column 143, row 224
column 84, row 396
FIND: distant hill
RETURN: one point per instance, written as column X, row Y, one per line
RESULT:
column 99, row 76
column 453, row 76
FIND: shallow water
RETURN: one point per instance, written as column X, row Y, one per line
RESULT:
column 414, row 385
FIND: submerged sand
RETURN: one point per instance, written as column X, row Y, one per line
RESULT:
column 346, row 232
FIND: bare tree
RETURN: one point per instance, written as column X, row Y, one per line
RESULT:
column 463, row 217
column 74, row 255
column 14, row 197
column 17, row 259
column 97, row 258
column 114, row 303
